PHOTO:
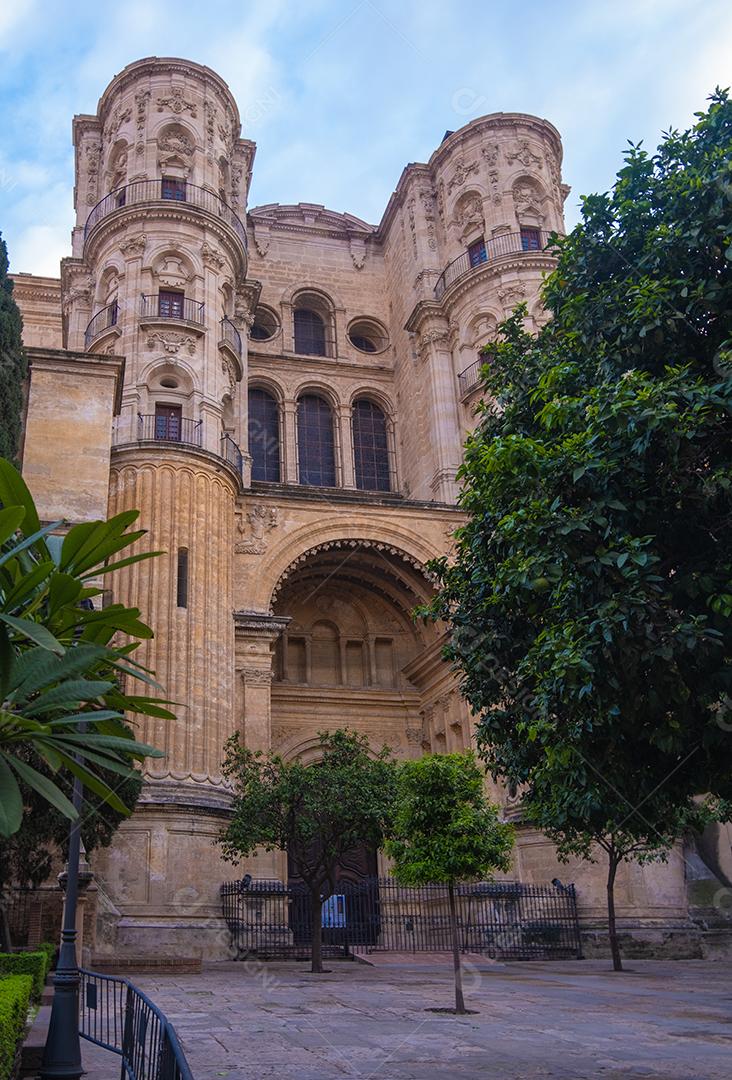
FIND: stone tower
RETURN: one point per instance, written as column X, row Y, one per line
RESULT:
column 160, row 258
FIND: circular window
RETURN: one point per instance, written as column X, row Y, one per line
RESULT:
column 367, row 336
column 169, row 382
column 265, row 325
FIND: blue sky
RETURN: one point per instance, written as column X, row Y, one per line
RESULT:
column 340, row 96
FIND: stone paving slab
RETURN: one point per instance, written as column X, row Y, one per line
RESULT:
column 534, row 1021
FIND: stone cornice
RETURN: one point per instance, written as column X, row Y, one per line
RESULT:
column 168, row 65
column 293, row 363
column 151, row 451
column 326, row 222
column 89, row 364
column 260, row 624
column 43, row 289
column 494, row 268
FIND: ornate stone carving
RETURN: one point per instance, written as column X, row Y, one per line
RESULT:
column 523, row 153
column 527, row 197
column 469, row 214
column 245, row 302
column 261, row 238
column 412, row 223
column 427, row 198
column 92, row 155
column 461, row 173
column 177, row 102
column 261, row 519
column 118, row 117
column 414, row 736
column 253, row 676
column 175, row 144
column 141, row 99
column 229, row 371
column 493, row 179
column 237, row 170
column 432, row 337
column 171, row 342
column 491, row 154
column 134, row 245
column 357, row 248
column 512, row 294
column 210, row 113
column 211, row 256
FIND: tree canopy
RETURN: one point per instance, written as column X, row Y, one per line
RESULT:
column 317, row 813
column 590, row 599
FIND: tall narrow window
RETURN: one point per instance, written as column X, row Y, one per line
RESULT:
column 530, row 239
column 170, row 304
column 264, row 436
column 370, row 446
column 172, row 188
column 477, row 253
column 181, row 589
column 315, row 442
column 168, row 422
column 309, row 333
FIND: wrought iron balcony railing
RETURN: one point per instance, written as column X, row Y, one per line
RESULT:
column 469, row 378
column 513, row 243
column 102, row 321
column 150, row 191
column 171, row 306
column 171, row 429
column 231, row 335
column 230, row 452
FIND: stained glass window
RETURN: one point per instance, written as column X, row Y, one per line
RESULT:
column 264, row 436
column 315, row 442
column 309, row 333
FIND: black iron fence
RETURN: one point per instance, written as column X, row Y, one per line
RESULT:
column 231, row 335
column 469, row 378
column 102, row 321
column 175, row 429
column 163, row 305
column 116, row 1015
column 504, row 920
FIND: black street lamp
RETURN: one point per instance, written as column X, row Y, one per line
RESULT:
column 62, row 1052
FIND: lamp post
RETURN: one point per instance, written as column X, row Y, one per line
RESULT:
column 62, row 1052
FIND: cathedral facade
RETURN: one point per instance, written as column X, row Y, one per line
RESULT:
column 283, row 392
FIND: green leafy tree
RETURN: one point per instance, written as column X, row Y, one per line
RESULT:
column 445, row 832
column 590, row 599
column 62, row 706
column 316, row 813
column 12, row 362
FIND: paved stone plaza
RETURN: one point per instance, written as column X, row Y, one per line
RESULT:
column 670, row 1021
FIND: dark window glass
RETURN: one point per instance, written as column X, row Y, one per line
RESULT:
column 182, row 578
column 170, row 305
column 363, row 343
column 315, row 445
column 370, row 447
column 309, row 333
column 530, row 240
column 172, row 188
column 167, row 422
column 477, row 253
column 259, row 333
column 264, row 436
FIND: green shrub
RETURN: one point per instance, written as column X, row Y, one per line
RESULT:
column 15, row 993
column 49, row 949
column 35, row 964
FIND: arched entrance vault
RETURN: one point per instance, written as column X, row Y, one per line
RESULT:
column 341, row 648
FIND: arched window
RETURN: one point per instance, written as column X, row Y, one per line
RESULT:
column 264, row 436
column 309, row 333
column 315, row 442
column 370, row 446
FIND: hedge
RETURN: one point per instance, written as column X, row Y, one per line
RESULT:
column 15, row 993
column 35, row 964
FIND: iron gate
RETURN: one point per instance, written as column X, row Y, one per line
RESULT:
column 504, row 920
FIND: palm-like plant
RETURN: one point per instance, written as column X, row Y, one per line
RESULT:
column 62, row 663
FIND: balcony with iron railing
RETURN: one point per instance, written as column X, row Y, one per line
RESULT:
column 171, row 306
column 231, row 336
column 166, row 191
column 102, row 321
column 528, row 241
column 469, row 379
column 177, row 431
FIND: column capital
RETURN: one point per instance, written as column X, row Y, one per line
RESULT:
column 259, row 624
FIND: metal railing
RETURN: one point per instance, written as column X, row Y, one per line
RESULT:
column 163, row 429
column 231, row 335
column 506, row 920
column 470, row 377
column 159, row 306
column 512, row 243
column 230, row 452
column 102, row 321
column 117, row 1016
column 149, row 191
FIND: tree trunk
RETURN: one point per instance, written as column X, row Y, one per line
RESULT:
column 613, row 862
column 316, row 934
column 459, row 1001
